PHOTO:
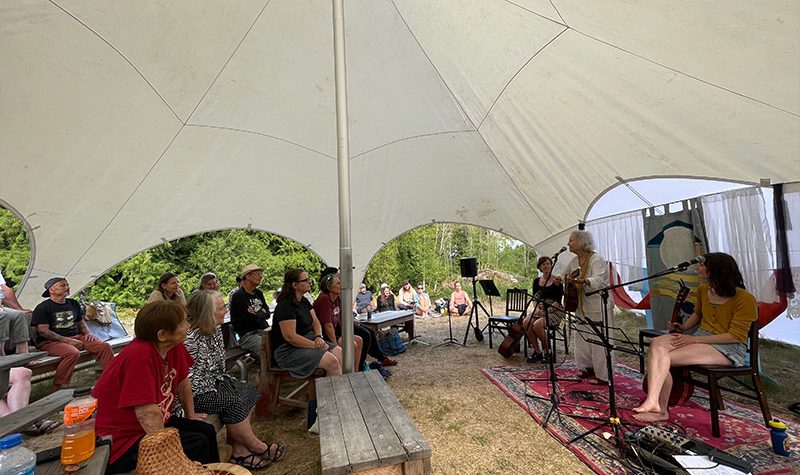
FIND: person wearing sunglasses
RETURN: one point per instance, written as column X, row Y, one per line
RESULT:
column 297, row 341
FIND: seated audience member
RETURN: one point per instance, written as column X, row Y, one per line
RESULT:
column 209, row 281
column 423, row 306
column 406, row 297
column 385, row 300
column 249, row 310
column 363, row 302
column 328, row 309
column 724, row 313
column 169, row 288
column 297, row 342
column 135, row 395
column 217, row 392
column 460, row 304
column 550, row 295
column 14, row 320
column 61, row 331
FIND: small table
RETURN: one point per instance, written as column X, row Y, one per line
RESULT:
column 94, row 466
column 389, row 318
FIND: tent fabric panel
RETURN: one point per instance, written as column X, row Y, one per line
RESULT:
column 393, row 91
column 479, row 47
column 745, row 47
column 178, row 46
column 581, row 114
column 79, row 130
column 280, row 81
column 219, row 179
column 449, row 178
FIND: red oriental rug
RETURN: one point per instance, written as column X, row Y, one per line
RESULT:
column 743, row 431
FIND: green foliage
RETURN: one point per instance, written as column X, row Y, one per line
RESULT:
column 15, row 252
column 429, row 255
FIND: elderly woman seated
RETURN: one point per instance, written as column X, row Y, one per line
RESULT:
column 215, row 391
column 137, row 390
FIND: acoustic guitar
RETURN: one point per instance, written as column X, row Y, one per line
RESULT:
column 682, row 385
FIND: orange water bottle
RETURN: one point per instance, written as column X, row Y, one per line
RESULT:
column 78, row 444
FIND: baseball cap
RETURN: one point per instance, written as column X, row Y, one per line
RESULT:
column 405, row 281
column 206, row 277
column 51, row 282
column 362, row 286
column 384, row 285
column 248, row 269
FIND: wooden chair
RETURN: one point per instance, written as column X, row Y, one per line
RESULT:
column 714, row 374
column 516, row 301
column 272, row 379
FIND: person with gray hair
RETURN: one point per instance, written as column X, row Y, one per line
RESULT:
column 588, row 271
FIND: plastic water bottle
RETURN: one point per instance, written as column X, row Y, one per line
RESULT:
column 78, row 444
column 15, row 459
column 780, row 441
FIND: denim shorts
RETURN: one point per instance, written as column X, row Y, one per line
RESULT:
column 736, row 352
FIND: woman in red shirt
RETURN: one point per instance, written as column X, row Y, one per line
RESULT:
column 136, row 392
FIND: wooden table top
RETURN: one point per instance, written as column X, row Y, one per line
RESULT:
column 94, row 466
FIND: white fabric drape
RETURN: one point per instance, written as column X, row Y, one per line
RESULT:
column 736, row 223
column 791, row 198
column 620, row 240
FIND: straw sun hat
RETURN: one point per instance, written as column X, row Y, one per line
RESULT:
column 160, row 452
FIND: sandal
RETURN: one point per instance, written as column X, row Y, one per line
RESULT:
column 586, row 373
column 42, row 426
column 248, row 461
column 273, row 456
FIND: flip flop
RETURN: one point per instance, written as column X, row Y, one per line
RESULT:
column 273, row 456
column 249, row 461
column 42, row 426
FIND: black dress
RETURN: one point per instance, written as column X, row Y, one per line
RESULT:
column 552, row 295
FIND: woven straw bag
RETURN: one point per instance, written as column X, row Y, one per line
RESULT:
column 160, row 453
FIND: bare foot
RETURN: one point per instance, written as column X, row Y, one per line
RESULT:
column 651, row 416
column 647, row 407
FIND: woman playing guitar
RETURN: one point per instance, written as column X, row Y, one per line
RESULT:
column 547, row 294
column 724, row 312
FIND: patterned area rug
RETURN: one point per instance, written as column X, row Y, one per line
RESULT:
column 742, row 431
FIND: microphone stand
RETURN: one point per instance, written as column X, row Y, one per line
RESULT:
column 613, row 419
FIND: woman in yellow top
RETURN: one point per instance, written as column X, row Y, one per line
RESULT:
column 724, row 311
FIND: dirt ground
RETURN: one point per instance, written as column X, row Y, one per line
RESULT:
column 471, row 426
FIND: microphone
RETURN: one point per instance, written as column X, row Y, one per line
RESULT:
column 559, row 252
column 690, row 262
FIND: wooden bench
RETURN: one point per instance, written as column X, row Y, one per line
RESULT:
column 272, row 379
column 363, row 428
column 44, row 368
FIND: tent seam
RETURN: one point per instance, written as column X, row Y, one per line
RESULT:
column 110, row 45
column 432, row 134
column 514, row 76
column 245, row 131
column 439, row 74
column 125, row 203
column 562, row 22
column 696, row 78
column 224, row 66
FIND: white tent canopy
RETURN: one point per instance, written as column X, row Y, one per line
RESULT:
column 124, row 124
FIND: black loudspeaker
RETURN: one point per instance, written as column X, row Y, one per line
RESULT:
column 469, row 267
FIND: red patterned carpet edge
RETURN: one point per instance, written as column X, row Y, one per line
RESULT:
column 743, row 433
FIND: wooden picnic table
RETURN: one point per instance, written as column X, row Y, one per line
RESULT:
column 94, row 466
column 388, row 318
column 364, row 429
column 33, row 412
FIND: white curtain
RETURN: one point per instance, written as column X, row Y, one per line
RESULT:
column 620, row 239
column 736, row 223
column 791, row 197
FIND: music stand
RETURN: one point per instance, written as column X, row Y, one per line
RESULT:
column 490, row 290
